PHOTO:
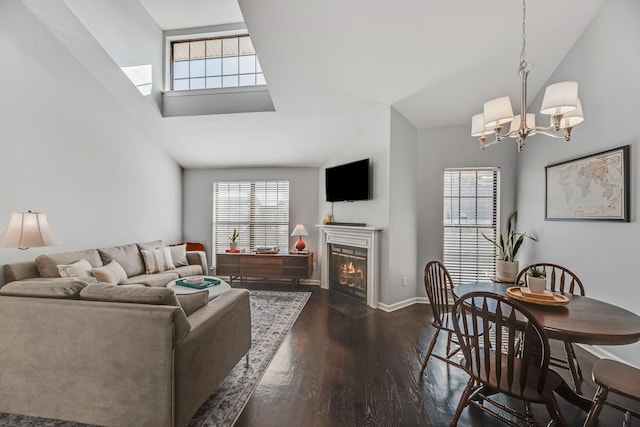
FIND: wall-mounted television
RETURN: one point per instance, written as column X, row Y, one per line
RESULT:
column 348, row 182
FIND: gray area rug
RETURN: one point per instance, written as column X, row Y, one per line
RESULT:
column 272, row 315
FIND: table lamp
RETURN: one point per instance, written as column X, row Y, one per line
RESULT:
column 300, row 231
column 26, row 230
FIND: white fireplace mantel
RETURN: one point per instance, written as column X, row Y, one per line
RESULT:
column 360, row 237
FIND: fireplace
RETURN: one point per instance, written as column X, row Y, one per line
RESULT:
column 348, row 270
column 349, row 257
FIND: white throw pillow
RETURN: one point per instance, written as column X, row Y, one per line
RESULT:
column 179, row 254
column 80, row 268
column 157, row 260
column 112, row 273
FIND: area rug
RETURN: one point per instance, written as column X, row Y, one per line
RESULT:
column 272, row 316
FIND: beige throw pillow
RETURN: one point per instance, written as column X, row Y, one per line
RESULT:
column 112, row 273
column 193, row 301
column 80, row 268
column 157, row 260
column 179, row 255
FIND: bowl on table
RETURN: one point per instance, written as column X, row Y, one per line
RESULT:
column 194, row 280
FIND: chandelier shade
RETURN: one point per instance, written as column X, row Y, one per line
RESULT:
column 497, row 112
column 515, row 124
column 560, row 101
column 477, row 126
column 560, row 98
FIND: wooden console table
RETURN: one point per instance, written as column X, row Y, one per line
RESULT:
column 281, row 266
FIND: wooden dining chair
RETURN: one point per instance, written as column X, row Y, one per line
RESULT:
column 520, row 371
column 561, row 279
column 438, row 284
column 618, row 378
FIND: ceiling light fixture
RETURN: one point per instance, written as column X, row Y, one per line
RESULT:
column 560, row 102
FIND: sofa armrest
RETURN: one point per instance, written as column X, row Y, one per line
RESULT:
column 20, row 271
column 220, row 335
column 198, row 258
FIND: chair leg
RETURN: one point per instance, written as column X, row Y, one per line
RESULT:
column 529, row 414
column 598, row 402
column 554, row 412
column 574, row 366
column 464, row 401
column 431, row 345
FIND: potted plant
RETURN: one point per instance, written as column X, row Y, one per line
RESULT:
column 508, row 245
column 233, row 239
column 536, row 279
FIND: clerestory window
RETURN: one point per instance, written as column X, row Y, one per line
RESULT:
column 215, row 63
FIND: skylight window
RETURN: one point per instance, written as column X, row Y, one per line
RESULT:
column 215, row 63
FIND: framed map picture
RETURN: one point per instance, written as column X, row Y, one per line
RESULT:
column 594, row 187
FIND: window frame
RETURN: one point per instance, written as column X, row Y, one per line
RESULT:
column 189, row 37
column 251, row 225
column 484, row 253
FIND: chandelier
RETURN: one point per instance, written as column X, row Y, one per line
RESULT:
column 560, row 102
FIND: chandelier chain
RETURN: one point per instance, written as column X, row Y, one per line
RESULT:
column 523, row 53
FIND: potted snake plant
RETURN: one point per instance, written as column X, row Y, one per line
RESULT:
column 508, row 244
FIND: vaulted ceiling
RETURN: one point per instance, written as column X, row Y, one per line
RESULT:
column 331, row 65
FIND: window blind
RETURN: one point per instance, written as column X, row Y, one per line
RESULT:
column 259, row 210
column 470, row 208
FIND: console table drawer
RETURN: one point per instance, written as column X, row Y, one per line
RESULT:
column 283, row 266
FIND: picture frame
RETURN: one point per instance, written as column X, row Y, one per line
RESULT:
column 589, row 188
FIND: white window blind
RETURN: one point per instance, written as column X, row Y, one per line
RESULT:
column 259, row 210
column 470, row 208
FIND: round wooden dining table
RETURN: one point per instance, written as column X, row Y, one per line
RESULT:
column 583, row 320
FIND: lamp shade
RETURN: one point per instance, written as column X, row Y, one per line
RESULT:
column 477, row 126
column 572, row 118
column 531, row 122
column 27, row 229
column 497, row 111
column 299, row 231
column 560, row 98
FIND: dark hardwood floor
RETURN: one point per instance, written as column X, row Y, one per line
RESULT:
column 343, row 364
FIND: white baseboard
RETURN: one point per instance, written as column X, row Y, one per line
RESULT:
column 402, row 304
column 601, row 353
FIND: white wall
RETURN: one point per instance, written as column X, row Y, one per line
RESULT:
column 126, row 31
column 605, row 62
column 452, row 147
column 403, row 218
column 198, row 201
column 70, row 150
column 371, row 140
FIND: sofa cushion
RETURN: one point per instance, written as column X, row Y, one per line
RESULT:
column 193, row 301
column 80, row 268
column 139, row 295
column 112, row 273
column 148, row 246
column 153, row 280
column 64, row 288
column 48, row 263
column 128, row 256
column 187, row 270
column 157, row 260
column 179, row 255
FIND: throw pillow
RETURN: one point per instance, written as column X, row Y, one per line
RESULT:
column 112, row 273
column 157, row 260
column 179, row 255
column 80, row 268
column 193, row 301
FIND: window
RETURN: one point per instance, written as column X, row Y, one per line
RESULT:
column 259, row 210
column 470, row 208
column 215, row 63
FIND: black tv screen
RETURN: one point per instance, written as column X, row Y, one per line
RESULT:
column 348, row 182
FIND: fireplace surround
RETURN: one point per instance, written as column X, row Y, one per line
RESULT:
column 359, row 247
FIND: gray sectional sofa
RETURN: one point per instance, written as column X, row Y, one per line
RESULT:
column 45, row 267
column 133, row 354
